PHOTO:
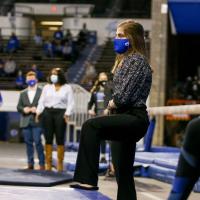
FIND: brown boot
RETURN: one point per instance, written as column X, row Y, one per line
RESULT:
column 30, row 167
column 60, row 156
column 42, row 167
column 48, row 156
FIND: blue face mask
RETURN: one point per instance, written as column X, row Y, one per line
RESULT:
column 121, row 45
column 31, row 83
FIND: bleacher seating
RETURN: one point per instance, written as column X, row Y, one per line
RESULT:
column 27, row 55
column 107, row 58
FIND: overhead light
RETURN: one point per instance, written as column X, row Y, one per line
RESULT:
column 53, row 28
column 51, row 23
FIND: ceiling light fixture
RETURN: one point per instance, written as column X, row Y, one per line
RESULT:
column 51, row 23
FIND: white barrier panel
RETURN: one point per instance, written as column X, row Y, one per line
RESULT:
column 80, row 112
column 10, row 99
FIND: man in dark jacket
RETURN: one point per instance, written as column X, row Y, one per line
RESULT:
column 32, row 131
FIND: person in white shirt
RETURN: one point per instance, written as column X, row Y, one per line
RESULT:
column 56, row 105
column 31, row 130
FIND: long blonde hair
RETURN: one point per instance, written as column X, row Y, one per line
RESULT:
column 96, row 84
column 135, row 33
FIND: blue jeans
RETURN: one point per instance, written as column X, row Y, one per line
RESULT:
column 33, row 135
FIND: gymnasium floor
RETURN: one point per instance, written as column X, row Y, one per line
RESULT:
column 12, row 155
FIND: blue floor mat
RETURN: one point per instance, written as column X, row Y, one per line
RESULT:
column 160, row 165
column 158, row 158
column 10, row 193
column 33, row 177
column 161, row 173
column 165, row 149
column 170, row 162
column 70, row 162
column 73, row 146
column 166, row 175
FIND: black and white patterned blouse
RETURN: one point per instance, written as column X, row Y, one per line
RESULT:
column 132, row 82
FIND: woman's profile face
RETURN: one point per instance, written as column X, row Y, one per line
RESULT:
column 120, row 33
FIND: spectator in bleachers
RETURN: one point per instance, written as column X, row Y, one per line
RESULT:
column 1, row 44
column 68, row 36
column 67, row 51
column 2, row 72
column 58, row 35
column 10, row 67
column 196, row 88
column 49, row 48
column 39, row 74
column 13, row 44
column 188, row 88
column 83, row 36
column 20, row 80
column 38, row 39
column 58, row 49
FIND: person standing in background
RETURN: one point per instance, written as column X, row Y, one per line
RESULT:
column 31, row 130
column 58, row 34
column 56, row 105
column 97, row 100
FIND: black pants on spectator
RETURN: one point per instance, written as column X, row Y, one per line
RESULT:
column 188, row 169
column 125, row 130
column 54, row 124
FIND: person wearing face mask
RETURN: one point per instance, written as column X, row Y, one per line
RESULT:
column 98, row 100
column 31, row 130
column 56, row 105
column 128, row 121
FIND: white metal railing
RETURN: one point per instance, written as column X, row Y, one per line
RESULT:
column 80, row 113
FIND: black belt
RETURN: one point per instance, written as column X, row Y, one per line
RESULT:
column 54, row 109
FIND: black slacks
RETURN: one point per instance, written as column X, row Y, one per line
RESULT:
column 54, row 124
column 125, row 130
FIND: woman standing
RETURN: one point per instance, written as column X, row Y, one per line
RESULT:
column 56, row 105
column 100, row 101
column 128, row 122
